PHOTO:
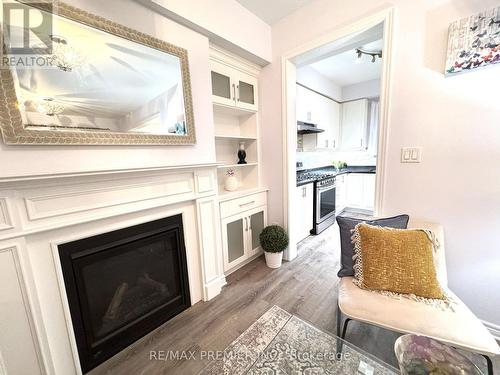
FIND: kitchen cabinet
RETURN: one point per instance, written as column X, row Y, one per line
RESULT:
column 353, row 125
column 305, row 201
column 361, row 191
column 232, row 87
column 340, row 193
column 329, row 139
column 243, row 219
column 325, row 113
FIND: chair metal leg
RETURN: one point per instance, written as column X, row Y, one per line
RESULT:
column 340, row 333
column 345, row 328
column 339, row 342
column 489, row 364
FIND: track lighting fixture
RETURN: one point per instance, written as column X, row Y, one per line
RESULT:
column 374, row 54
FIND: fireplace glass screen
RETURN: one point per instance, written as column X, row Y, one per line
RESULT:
column 123, row 284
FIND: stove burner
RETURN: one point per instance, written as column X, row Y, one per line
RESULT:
column 318, row 175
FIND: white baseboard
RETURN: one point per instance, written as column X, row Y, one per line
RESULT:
column 493, row 328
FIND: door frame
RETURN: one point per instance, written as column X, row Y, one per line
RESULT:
column 289, row 121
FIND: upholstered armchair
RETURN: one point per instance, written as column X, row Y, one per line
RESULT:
column 459, row 327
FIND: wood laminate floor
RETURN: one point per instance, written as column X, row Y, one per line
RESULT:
column 305, row 287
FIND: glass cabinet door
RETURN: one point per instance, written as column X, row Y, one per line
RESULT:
column 234, row 241
column 257, row 224
column 246, row 87
column 223, row 87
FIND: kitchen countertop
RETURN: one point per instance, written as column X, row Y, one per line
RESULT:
column 353, row 169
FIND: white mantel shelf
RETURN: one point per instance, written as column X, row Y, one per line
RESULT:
column 22, row 178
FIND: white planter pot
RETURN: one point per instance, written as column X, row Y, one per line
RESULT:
column 231, row 183
column 273, row 260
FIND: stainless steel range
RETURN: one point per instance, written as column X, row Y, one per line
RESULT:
column 324, row 197
column 324, row 204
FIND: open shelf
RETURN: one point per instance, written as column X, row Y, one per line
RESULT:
column 235, row 137
column 230, row 125
column 232, row 110
column 228, row 166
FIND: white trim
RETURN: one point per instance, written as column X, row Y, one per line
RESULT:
column 493, row 328
column 44, row 363
column 233, row 61
column 5, row 217
column 288, row 117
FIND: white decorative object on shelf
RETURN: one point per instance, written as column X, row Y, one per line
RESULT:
column 231, row 183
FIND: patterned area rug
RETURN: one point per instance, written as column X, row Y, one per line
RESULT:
column 281, row 343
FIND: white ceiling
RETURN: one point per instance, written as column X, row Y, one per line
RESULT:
column 346, row 69
column 271, row 11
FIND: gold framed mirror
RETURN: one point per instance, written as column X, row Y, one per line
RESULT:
column 74, row 78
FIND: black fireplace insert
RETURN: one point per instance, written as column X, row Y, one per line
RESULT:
column 123, row 284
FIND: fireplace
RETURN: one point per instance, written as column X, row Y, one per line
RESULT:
column 123, row 284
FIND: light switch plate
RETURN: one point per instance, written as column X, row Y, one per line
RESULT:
column 411, row 155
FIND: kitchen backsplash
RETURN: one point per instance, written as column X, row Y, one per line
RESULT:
column 317, row 159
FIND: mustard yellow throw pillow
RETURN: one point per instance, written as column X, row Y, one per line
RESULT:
column 395, row 260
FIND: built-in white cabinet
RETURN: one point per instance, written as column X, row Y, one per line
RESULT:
column 233, row 87
column 304, row 202
column 353, row 125
column 241, row 230
column 243, row 211
column 236, row 119
column 361, row 190
column 340, row 193
column 324, row 112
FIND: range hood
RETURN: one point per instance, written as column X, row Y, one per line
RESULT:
column 307, row 128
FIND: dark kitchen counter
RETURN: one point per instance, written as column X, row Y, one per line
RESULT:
column 332, row 170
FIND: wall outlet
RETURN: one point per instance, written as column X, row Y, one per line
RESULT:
column 411, row 155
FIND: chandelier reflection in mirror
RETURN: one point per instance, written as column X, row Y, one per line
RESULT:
column 65, row 56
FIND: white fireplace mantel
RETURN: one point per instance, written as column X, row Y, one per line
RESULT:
column 39, row 212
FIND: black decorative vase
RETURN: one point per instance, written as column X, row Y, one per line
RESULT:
column 242, row 154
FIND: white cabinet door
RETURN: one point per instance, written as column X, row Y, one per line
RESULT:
column 361, row 191
column 355, row 190
column 223, row 86
column 368, row 191
column 18, row 353
column 304, row 218
column 240, row 236
column 257, row 221
column 335, row 126
column 340, row 193
column 354, row 125
column 234, row 240
column 325, row 113
column 233, row 88
column 246, row 91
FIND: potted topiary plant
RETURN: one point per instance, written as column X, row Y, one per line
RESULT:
column 273, row 240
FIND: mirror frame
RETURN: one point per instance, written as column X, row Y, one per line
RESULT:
column 14, row 132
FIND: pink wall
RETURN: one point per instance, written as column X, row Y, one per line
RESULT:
column 455, row 120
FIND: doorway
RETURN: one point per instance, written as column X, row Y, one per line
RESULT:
column 354, row 119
